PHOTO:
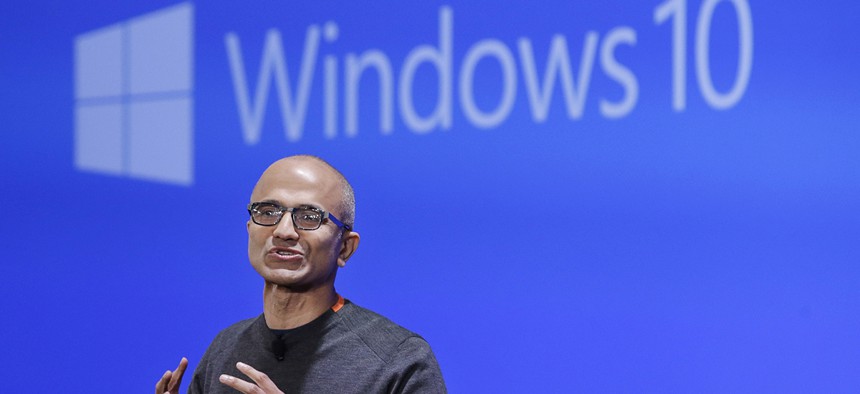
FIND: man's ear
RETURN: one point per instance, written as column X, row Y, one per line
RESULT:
column 348, row 245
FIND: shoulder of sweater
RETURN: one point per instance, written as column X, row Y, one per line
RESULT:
column 377, row 332
column 225, row 340
column 235, row 329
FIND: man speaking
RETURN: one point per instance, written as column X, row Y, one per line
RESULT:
column 309, row 339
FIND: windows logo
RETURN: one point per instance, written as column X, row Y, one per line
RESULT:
column 134, row 97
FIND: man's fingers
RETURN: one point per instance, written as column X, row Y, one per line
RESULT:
column 176, row 379
column 170, row 381
column 258, row 377
column 263, row 385
column 240, row 385
column 161, row 386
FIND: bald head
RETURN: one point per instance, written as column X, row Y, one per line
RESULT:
column 311, row 171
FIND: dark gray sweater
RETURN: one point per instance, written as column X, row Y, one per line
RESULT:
column 353, row 350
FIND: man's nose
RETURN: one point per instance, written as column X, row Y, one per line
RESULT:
column 285, row 229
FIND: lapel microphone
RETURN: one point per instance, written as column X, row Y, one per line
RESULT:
column 279, row 348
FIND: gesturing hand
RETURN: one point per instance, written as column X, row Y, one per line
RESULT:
column 170, row 381
column 263, row 384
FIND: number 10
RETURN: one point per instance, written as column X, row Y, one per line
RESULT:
column 678, row 10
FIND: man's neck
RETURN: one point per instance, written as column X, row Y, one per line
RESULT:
column 285, row 308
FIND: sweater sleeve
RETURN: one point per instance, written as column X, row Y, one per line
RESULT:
column 201, row 373
column 196, row 385
column 416, row 369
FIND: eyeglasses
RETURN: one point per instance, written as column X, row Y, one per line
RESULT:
column 304, row 218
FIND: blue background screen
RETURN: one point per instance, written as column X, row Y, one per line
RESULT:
column 559, row 196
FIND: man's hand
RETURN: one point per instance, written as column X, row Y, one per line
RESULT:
column 263, row 384
column 170, row 381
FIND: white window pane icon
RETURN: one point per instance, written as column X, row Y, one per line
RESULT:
column 134, row 97
column 160, row 140
column 160, row 51
column 98, row 138
column 98, row 63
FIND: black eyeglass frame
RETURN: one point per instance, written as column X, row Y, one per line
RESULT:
column 254, row 206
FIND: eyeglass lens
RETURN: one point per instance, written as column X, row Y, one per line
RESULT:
column 270, row 215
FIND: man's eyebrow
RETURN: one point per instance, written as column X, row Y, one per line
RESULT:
column 278, row 203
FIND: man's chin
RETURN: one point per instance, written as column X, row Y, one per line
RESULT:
column 283, row 277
